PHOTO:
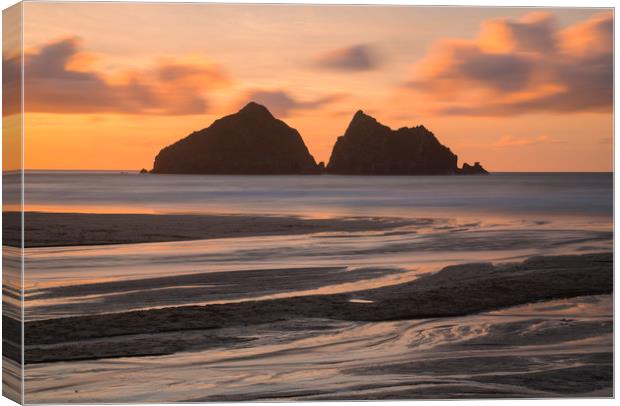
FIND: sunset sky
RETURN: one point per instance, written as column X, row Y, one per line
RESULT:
column 108, row 85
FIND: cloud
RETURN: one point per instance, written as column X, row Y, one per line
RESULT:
column 59, row 80
column 354, row 58
column 521, row 66
column 281, row 104
column 11, row 89
column 533, row 32
column 508, row 141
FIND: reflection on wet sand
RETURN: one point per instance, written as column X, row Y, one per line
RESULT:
column 67, row 281
column 540, row 350
column 12, row 343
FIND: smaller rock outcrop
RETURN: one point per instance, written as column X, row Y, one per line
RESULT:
column 476, row 169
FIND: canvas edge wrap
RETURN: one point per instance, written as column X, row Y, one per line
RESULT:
column 12, row 205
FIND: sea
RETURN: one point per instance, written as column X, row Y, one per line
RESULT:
column 517, row 195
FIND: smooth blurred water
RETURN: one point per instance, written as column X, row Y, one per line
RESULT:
column 589, row 194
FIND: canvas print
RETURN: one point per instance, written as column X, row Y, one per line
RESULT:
column 251, row 202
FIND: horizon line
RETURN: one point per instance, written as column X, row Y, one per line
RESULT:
column 138, row 170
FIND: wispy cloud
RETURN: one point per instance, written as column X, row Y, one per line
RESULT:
column 360, row 57
column 59, row 80
column 508, row 141
column 521, row 66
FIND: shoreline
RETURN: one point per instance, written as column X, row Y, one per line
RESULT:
column 452, row 292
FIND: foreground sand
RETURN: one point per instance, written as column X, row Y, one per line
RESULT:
column 555, row 348
column 454, row 291
column 455, row 333
column 60, row 229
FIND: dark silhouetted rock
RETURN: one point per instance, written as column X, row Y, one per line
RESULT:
column 143, row 170
column 250, row 141
column 477, row 169
column 370, row 148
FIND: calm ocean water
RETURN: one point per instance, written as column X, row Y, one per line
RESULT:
column 589, row 194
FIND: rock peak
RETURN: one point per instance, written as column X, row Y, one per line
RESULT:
column 360, row 115
column 255, row 109
column 361, row 120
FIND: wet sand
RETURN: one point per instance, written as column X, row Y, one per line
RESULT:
column 546, row 349
column 69, row 281
column 454, row 291
column 71, row 229
column 269, row 308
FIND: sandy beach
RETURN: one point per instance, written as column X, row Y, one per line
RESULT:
column 454, row 291
column 316, row 304
column 62, row 229
column 457, row 290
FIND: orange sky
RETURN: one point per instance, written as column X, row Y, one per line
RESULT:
column 109, row 84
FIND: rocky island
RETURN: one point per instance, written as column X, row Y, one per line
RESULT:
column 476, row 169
column 371, row 148
column 254, row 142
column 251, row 141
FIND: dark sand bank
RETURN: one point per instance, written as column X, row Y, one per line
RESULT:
column 454, row 291
column 198, row 289
column 240, row 282
column 61, row 229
